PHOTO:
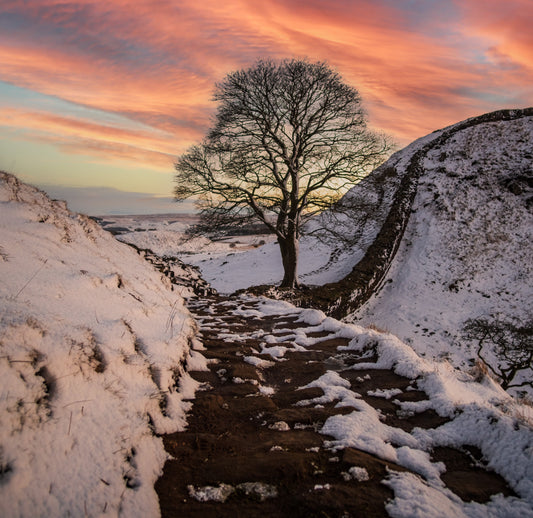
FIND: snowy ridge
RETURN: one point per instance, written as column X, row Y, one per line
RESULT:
column 94, row 346
column 400, row 176
column 467, row 248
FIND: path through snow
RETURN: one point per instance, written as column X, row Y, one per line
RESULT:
column 301, row 415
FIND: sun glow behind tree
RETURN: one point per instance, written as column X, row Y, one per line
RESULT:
column 290, row 138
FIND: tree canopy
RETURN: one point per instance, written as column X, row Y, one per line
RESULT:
column 289, row 139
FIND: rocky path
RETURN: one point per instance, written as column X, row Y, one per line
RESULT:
column 253, row 445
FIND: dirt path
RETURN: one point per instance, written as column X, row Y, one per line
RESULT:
column 251, row 449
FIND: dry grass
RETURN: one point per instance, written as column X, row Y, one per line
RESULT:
column 479, row 371
column 3, row 255
column 378, row 329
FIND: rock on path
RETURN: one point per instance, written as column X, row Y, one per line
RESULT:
column 253, row 445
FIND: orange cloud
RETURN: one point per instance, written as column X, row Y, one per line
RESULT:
column 507, row 25
column 156, row 61
column 83, row 137
column 108, row 87
column 413, row 83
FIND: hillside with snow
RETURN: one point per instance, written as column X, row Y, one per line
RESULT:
column 466, row 254
column 95, row 345
column 435, row 246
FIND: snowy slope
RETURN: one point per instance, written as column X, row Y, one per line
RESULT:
column 466, row 252
column 468, row 247
column 94, row 345
column 324, row 258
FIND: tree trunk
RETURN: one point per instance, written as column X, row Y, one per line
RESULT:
column 289, row 255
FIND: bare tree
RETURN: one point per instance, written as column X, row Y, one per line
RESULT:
column 288, row 140
column 511, row 345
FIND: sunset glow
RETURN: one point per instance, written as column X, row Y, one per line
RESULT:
column 107, row 86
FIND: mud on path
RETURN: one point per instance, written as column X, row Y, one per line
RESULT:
column 253, row 445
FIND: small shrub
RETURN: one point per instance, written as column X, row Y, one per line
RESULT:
column 511, row 344
column 479, row 371
column 5, row 467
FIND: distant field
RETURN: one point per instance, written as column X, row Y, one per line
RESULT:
column 121, row 224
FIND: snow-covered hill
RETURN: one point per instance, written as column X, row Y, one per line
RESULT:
column 457, row 204
column 466, row 255
column 94, row 346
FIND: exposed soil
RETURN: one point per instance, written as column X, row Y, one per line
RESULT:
column 235, row 440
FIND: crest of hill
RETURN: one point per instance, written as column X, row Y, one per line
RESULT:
column 370, row 221
column 95, row 345
column 467, row 243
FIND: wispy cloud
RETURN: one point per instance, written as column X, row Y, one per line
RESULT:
column 81, row 136
column 507, row 29
column 153, row 63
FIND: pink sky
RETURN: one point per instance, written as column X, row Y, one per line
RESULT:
column 108, row 93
